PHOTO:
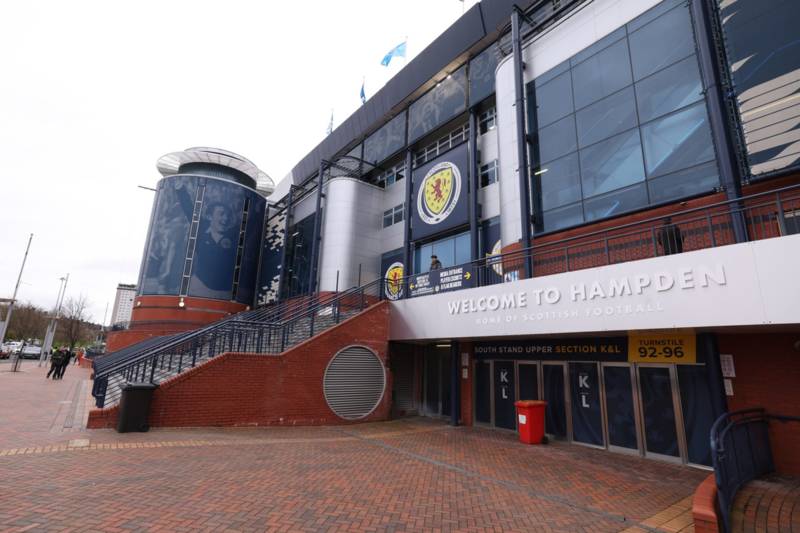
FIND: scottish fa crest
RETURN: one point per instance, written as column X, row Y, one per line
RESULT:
column 438, row 193
column 394, row 281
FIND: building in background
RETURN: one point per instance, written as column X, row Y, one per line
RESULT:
column 123, row 304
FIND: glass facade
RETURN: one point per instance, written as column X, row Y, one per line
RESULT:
column 446, row 100
column 481, row 75
column 451, row 251
column 622, row 124
column 386, row 141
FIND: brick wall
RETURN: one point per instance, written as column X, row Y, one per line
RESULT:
column 243, row 389
column 768, row 375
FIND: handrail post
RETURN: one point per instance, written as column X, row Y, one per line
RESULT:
column 781, row 215
column 711, row 230
column 566, row 258
column 655, row 241
column 153, row 369
column 608, row 253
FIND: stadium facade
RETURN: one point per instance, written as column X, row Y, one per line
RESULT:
column 611, row 189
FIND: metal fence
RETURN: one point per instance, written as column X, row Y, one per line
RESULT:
column 265, row 331
column 755, row 217
column 741, row 452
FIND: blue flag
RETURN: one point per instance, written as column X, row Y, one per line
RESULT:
column 397, row 51
column 363, row 94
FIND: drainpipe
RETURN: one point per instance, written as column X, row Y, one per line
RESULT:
column 522, row 142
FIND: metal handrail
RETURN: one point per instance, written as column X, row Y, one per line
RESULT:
column 714, row 219
column 741, row 452
column 238, row 333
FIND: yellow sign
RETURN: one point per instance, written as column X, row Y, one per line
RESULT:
column 676, row 348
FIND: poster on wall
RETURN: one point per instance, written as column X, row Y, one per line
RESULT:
column 272, row 251
column 217, row 241
column 169, row 235
column 393, row 272
column 439, row 194
column 442, row 280
column 248, row 273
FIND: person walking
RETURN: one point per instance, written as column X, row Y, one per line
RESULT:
column 64, row 363
column 55, row 364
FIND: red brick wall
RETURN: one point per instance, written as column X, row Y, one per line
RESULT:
column 242, row 389
column 768, row 375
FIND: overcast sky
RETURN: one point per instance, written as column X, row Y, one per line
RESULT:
column 92, row 93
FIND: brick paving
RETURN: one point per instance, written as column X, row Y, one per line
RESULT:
column 405, row 475
column 768, row 504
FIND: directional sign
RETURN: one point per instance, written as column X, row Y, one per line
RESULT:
column 442, row 280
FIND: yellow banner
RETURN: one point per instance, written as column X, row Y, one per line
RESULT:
column 676, row 348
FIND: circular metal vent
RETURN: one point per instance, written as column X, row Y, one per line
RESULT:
column 354, row 382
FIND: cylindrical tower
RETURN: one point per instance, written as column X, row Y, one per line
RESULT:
column 201, row 255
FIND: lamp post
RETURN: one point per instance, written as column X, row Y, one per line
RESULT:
column 4, row 326
column 51, row 327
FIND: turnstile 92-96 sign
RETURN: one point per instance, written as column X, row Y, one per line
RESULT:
column 675, row 348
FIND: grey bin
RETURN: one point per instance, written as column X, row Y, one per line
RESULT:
column 134, row 407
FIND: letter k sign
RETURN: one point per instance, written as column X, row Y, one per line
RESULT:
column 504, row 376
column 583, row 381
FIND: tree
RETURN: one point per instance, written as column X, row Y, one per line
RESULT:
column 27, row 322
column 73, row 324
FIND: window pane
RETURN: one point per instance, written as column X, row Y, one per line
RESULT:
column 553, row 100
column 561, row 183
column 387, row 140
column 595, row 47
column 616, row 202
column 677, row 141
column 462, row 249
column 438, row 105
column 445, row 250
column 696, row 180
column 602, row 74
column 555, row 140
column 668, row 90
column 481, row 75
column 662, row 42
column 607, row 117
column 563, row 217
column 612, row 164
column 398, row 214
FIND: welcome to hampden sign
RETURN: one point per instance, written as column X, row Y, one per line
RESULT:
column 742, row 284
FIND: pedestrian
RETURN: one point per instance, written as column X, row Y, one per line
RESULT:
column 435, row 263
column 55, row 364
column 670, row 238
column 64, row 363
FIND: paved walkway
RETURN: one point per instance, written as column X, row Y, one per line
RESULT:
column 406, row 475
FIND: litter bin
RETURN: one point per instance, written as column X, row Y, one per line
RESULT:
column 530, row 415
column 134, row 407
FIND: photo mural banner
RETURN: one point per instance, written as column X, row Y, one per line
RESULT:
column 439, row 194
column 270, row 275
column 393, row 271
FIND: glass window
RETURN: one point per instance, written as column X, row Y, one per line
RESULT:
column 560, row 182
column 556, row 140
column 387, row 140
column 672, row 88
column 649, row 52
column 602, row 44
column 487, row 120
column 602, row 74
column 488, row 173
column 689, row 182
column 387, row 218
column 445, row 250
column 463, row 254
column 677, row 141
column 446, row 100
column 609, row 116
column 615, row 203
column 612, row 164
column 398, row 214
column 481, row 75
column 553, row 100
column 564, row 217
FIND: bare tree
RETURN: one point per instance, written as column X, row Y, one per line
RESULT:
column 27, row 322
column 73, row 325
